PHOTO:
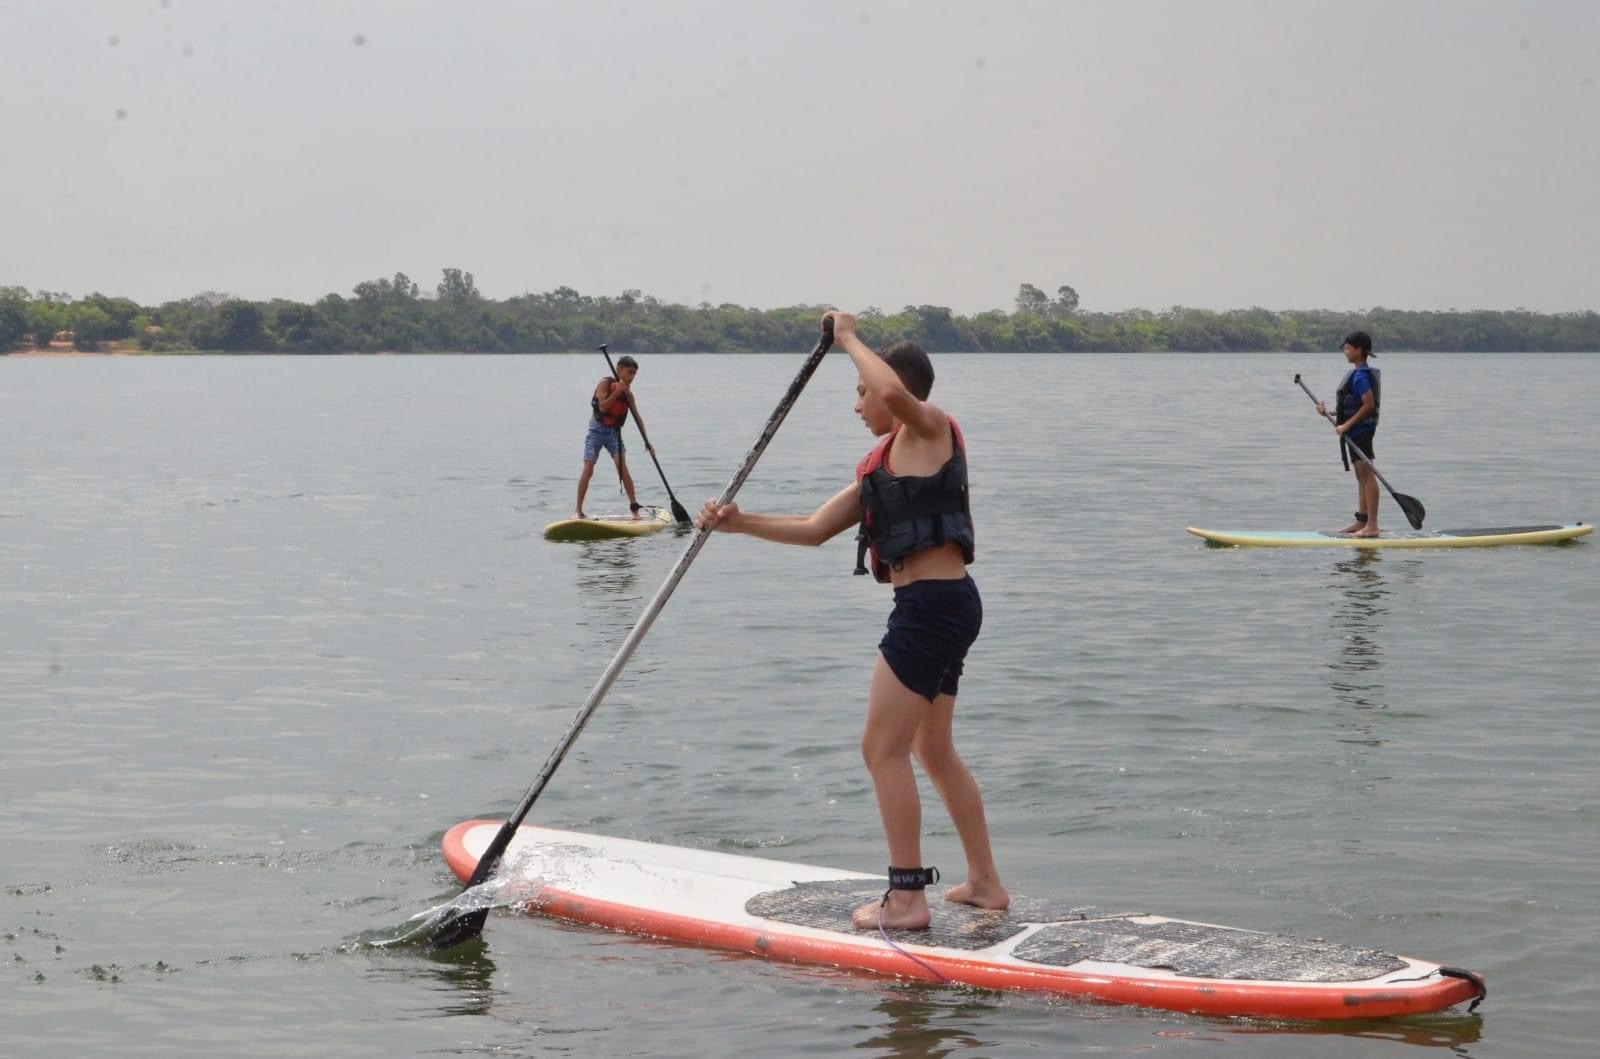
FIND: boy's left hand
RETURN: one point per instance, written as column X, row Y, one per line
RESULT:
column 844, row 324
column 713, row 517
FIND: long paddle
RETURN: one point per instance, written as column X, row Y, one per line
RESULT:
column 459, row 926
column 1414, row 511
column 677, row 509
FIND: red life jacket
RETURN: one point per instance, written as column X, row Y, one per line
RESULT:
column 903, row 515
column 614, row 416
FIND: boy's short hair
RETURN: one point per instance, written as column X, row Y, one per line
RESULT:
column 911, row 363
column 1361, row 340
column 626, row 361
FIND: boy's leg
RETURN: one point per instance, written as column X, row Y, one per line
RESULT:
column 894, row 712
column 583, row 486
column 935, row 749
column 1367, row 490
column 1353, row 463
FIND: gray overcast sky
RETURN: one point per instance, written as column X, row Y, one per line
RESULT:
column 1213, row 153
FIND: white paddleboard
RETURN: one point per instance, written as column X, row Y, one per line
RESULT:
column 800, row 912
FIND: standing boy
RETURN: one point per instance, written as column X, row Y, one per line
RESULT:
column 610, row 404
column 910, row 499
column 1356, row 423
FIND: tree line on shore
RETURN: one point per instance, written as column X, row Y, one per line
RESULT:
column 396, row 315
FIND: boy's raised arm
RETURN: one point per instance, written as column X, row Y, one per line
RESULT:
column 921, row 418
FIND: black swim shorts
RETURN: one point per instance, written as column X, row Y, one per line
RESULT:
column 930, row 629
column 1359, row 441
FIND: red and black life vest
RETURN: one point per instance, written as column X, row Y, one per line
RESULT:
column 614, row 416
column 903, row 515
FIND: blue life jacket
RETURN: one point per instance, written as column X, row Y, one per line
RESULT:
column 1349, row 402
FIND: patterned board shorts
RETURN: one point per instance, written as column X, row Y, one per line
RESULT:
column 602, row 437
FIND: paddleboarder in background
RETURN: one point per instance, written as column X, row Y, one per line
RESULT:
column 910, row 499
column 610, row 404
column 1356, row 416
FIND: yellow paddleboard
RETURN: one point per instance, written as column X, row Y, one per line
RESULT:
column 605, row 527
column 1459, row 538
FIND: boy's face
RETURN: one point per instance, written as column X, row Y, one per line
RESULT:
column 1351, row 353
column 627, row 374
column 873, row 412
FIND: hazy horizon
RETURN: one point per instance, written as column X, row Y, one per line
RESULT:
column 1216, row 155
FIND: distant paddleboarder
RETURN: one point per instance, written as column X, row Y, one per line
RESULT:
column 1356, row 423
column 910, row 500
column 610, row 404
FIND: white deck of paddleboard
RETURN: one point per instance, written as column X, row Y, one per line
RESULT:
column 714, row 887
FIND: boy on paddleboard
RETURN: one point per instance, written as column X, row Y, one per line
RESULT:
column 610, row 404
column 1356, row 415
column 910, row 499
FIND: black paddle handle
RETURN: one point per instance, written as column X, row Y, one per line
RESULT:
column 491, row 856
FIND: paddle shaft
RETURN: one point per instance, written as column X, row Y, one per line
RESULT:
column 678, row 511
column 491, row 856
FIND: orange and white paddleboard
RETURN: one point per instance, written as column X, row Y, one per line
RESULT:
column 801, row 912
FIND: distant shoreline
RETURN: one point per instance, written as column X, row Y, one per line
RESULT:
column 396, row 315
column 64, row 349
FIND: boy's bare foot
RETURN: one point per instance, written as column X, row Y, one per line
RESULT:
column 905, row 910
column 1365, row 534
column 988, row 895
column 1354, row 527
column 579, row 515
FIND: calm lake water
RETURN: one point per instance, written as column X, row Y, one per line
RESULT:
column 269, row 625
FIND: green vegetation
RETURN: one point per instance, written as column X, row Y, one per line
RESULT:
column 395, row 315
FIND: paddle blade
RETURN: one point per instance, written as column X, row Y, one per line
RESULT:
column 444, row 926
column 679, row 513
column 459, row 928
column 1413, row 509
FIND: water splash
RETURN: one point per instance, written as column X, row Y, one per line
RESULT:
column 500, row 890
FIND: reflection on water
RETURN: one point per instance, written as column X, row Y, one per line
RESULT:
column 465, row 974
column 1358, row 622
column 608, row 569
column 1355, row 676
column 462, row 974
column 609, row 597
column 921, row 1020
column 1445, row 1030
column 1360, row 609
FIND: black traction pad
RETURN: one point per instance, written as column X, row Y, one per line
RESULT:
column 1198, row 951
column 827, row 905
column 1495, row 531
